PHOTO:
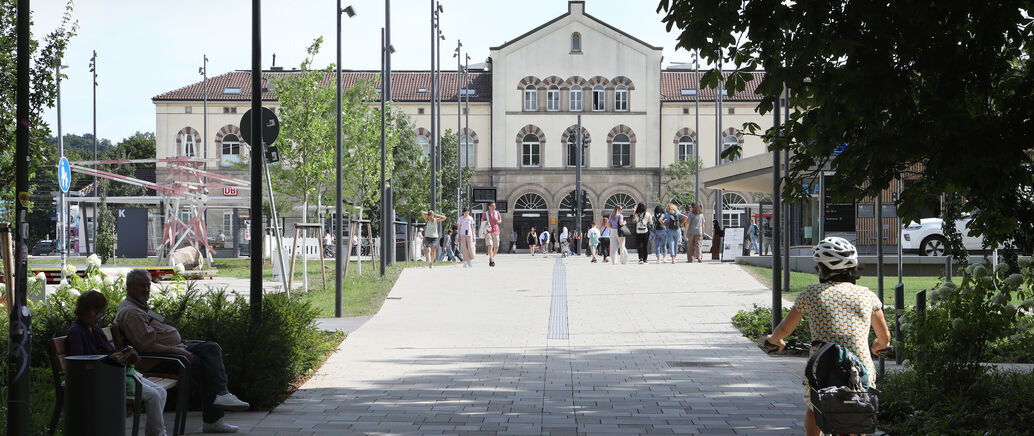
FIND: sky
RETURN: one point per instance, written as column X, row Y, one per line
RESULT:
column 145, row 48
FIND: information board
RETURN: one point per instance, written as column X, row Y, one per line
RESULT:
column 839, row 217
column 732, row 243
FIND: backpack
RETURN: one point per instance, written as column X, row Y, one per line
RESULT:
column 661, row 221
column 641, row 226
column 839, row 388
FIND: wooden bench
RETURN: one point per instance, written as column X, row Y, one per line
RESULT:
column 58, row 367
column 182, row 378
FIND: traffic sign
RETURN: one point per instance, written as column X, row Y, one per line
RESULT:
column 64, row 174
column 270, row 126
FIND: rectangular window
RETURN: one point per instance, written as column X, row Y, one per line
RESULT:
column 572, row 153
column 419, row 111
column 731, row 218
column 189, row 148
column 226, row 109
column 188, row 109
column 622, row 155
column 598, row 100
column 231, row 152
column 530, row 100
column 553, row 100
column 621, row 99
column 467, row 153
column 530, row 154
column 227, row 224
column 232, row 90
column 576, row 100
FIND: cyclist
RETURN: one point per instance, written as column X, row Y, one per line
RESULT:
column 838, row 311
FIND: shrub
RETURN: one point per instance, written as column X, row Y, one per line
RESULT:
column 757, row 322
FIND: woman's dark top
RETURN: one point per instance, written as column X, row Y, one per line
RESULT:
column 719, row 232
column 533, row 238
column 83, row 340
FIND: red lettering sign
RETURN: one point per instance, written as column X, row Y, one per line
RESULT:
column 229, row 192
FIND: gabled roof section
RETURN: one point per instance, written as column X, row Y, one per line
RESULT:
column 674, row 81
column 406, row 85
column 581, row 7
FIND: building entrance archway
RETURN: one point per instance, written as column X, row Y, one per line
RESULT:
column 529, row 210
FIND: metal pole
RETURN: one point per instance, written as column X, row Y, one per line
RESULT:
column 276, row 230
column 459, row 130
column 20, row 324
column 204, row 137
column 387, row 210
column 257, row 155
column 438, row 150
column 579, row 154
column 786, row 210
column 777, row 217
column 63, row 207
column 466, row 131
column 92, row 247
column 384, row 55
column 696, row 132
column 338, row 185
column 432, row 147
column 900, row 227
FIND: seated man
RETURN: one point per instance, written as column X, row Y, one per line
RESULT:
column 149, row 333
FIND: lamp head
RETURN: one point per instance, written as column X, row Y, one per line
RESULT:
column 440, row 8
column 350, row 11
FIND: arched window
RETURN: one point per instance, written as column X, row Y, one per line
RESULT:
column 576, row 98
column 621, row 98
column 599, row 99
column 732, row 216
column 231, row 150
column 529, row 202
column 621, row 152
column 530, row 151
column 189, row 146
column 425, row 145
column 553, row 98
column 728, row 143
column 576, row 42
column 570, row 202
column 531, row 98
column 686, row 146
column 626, row 202
column 466, row 152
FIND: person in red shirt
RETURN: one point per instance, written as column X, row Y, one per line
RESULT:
column 492, row 219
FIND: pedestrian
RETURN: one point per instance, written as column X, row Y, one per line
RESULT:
column 694, row 231
column 660, row 234
column 675, row 222
column 752, row 234
column 605, row 239
column 565, row 242
column 446, row 245
column 513, row 241
column 454, row 242
column 432, row 231
column 619, row 231
column 544, row 241
column 466, row 237
column 716, row 240
column 594, row 240
column 838, row 311
column 419, row 244
column 492, row 220
column 643, row 223
column 575, row 237
column 328, row 244
column 532, row 240
column 553, row 240
column 766, row 235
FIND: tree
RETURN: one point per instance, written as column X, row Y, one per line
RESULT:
column 447, row 174
column 105, row 233
column 45, row 55
column 944, row 86
column 679, row 182
column 138, row 146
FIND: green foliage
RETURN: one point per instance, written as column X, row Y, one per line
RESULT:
column 950, row 339
column 679, row 182
column 757, row 322
column 998, row 403
column 956, row 71
column 44, row 53
column 105, row 227
column 447, row 175
column 41, row 399
column 1017, row 347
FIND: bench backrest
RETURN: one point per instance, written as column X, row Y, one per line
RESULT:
column 58, row 351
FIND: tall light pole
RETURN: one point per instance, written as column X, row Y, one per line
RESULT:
column 466, row 132
column 432, row 146
column 696, row 132
column 96, row 190
column 438, row 150
column 387, row 214
column 63, row 207
column 338, row 221
column 203, row 70
column 258, row 149
column 459, row 127
column 20, row 320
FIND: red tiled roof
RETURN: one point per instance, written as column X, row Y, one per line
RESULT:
column 673, row 82
column 404, row 85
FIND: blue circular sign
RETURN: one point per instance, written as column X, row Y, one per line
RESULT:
column 64, row 174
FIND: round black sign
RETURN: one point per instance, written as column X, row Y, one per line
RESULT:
column 270, row 126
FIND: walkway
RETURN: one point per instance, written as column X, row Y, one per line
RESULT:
column 541, row 346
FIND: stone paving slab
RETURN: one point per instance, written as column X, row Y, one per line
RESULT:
column 466, row 351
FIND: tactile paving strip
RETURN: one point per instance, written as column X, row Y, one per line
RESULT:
column 558, row 304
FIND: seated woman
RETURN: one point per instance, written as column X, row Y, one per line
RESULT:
column 85, row 337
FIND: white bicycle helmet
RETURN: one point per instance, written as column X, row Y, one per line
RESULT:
column 836, row 253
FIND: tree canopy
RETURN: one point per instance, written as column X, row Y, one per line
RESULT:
column 945, row 87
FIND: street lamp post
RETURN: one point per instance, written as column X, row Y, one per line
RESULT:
column 466, row 132
column 387, row 216
column 459, row 128
column 96, row 191
column 438, row 150
column 432, row 146
column 339, row 159
column 63, row 206
column 696, row 131
column 203, row 70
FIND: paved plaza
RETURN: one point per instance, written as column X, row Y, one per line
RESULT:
column 541, row 345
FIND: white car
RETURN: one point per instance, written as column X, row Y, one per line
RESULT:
column 927, row 238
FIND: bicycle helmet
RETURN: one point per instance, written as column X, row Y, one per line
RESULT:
column 836, row 253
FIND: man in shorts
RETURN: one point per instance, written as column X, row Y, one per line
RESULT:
column 492, row 220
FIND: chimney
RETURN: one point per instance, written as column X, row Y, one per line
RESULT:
column 576, row 7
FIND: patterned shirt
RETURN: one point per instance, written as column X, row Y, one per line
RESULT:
column 841, row 313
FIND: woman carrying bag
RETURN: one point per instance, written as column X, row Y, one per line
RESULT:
column 643, row 225
column 619, row 230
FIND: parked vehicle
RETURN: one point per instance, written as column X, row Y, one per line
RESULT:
column 927, row 239
column 44, row 247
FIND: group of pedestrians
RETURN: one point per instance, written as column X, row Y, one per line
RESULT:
column 457, row 242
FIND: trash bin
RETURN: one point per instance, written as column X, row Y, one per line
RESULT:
column 95, row 396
